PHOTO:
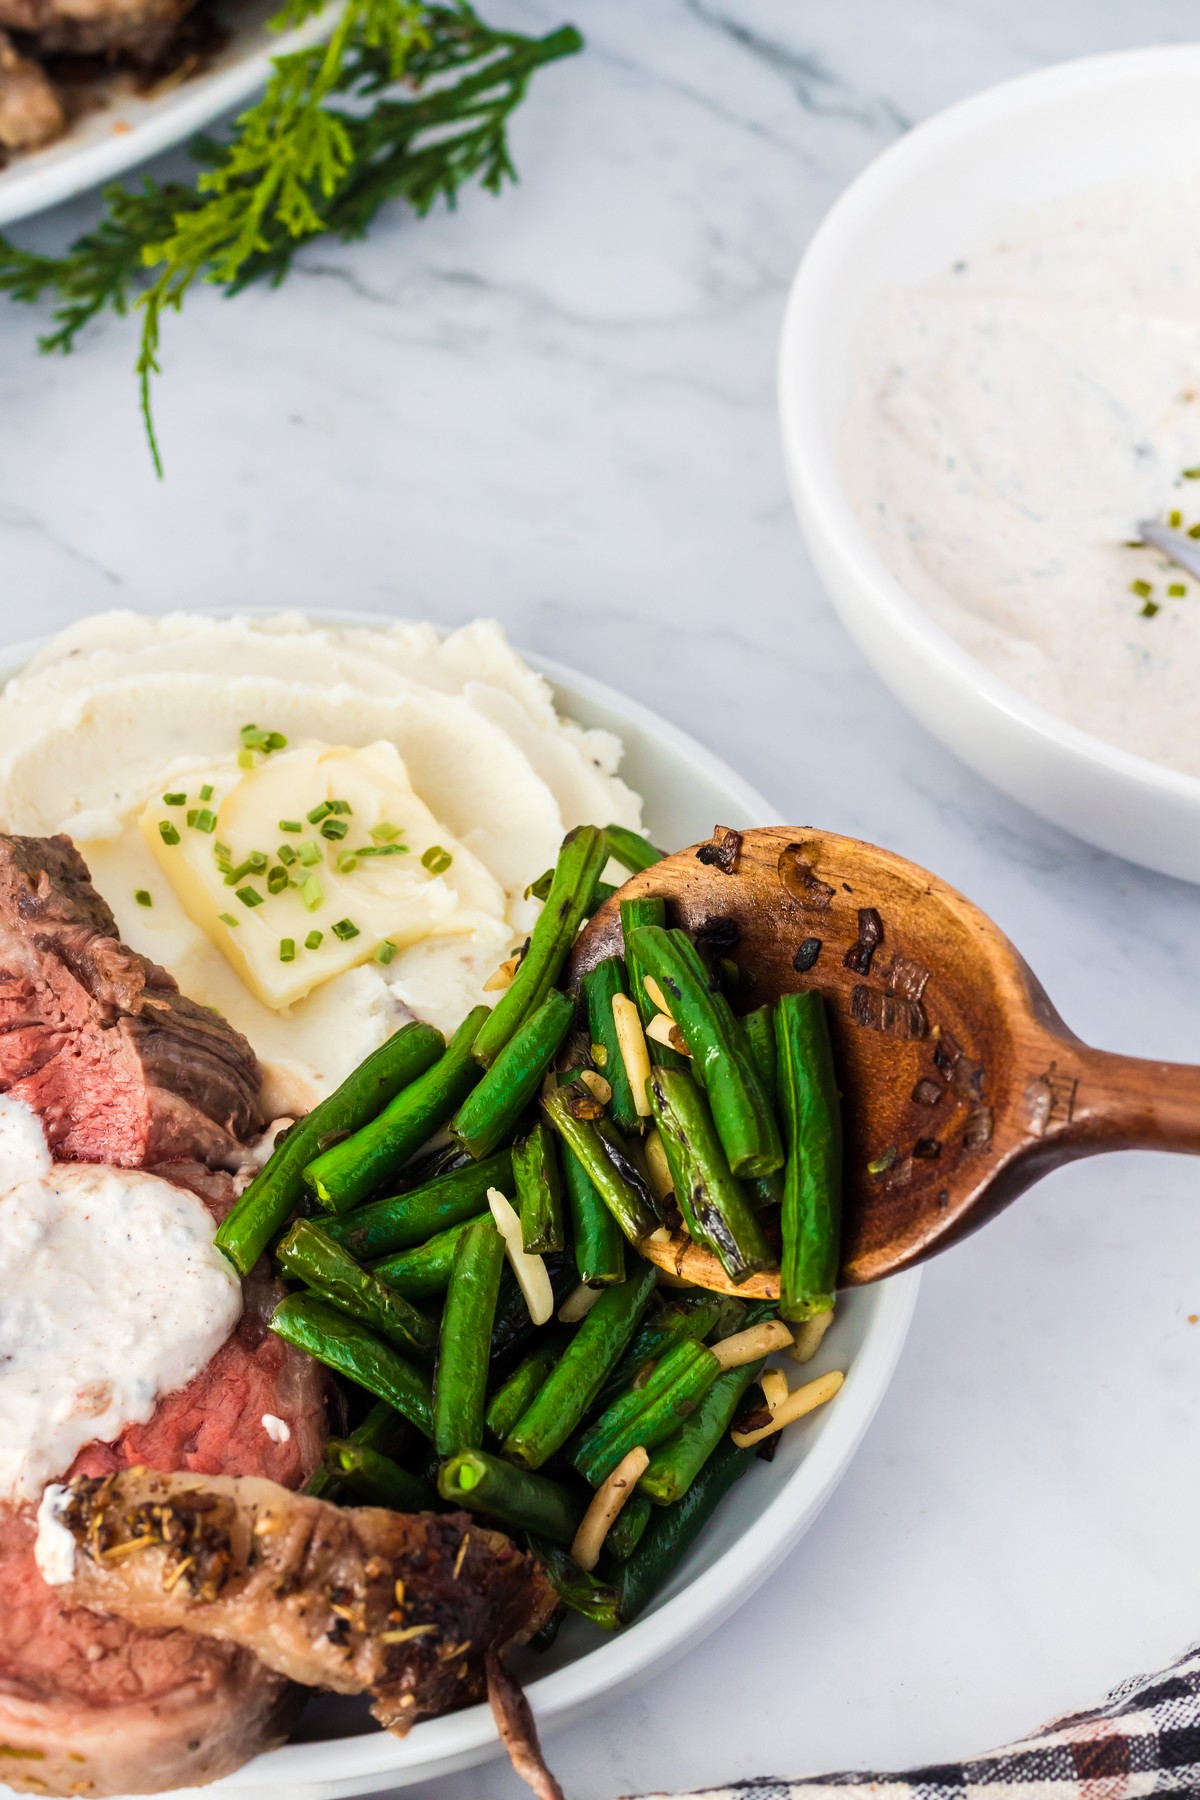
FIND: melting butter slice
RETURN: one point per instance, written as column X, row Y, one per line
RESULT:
column 359, row 908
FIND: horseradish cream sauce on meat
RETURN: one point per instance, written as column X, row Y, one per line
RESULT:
column 1011, row 421
column 114, row 1294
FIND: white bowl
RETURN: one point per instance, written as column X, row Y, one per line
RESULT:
column 338, row 1752
column 953, row 185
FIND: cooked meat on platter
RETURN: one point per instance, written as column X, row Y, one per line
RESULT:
column 31, row 113
column 119, row 1065
column 404, row 1607
column 139, row 31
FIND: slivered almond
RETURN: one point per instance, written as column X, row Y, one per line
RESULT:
column 606, row 1505
column 801, row 1400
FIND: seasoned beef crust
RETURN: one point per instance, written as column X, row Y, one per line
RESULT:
column 121, row 1067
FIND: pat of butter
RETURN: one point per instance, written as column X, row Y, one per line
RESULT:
column 358, row 905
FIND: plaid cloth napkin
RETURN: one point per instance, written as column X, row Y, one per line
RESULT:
column 1143, row 1738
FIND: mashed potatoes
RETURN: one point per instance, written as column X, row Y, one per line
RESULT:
column 122, row 709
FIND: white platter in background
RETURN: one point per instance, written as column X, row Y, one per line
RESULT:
column 338, row 1751
column 957, row 182
column 128, row 128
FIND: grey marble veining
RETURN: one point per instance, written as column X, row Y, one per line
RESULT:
column 559, row 408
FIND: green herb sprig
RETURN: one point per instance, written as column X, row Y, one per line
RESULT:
column 403, row 101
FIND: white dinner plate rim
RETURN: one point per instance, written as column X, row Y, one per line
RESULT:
column 813, row 470
column 458, row 1739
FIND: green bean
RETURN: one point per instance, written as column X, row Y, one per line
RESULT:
column 714, row 1197
column 540, row 889
column 631, row 849
column 344, row 1344
column 520, row 1498
column 676, row 1463
column 464, row 1347
column 405, row 1220
column 595, row 1600
column 759, row 1028
column 812, row 1196
column 646, row 911
column 599, row 1246
column 312, row 1257
column 539, row 1193
column 424, row 1271
column 627, row 1530
column 647, row 1415
column 262, row 1211
column 674, row 1529
column 612, row 1172
column 514, row 1327
column 376, row 1478
column 575, row 1380
column 678, row 1317
column 580, row 862
column 721, row 1060
column 360, row 1166
column 600, row 985
column 489, row 1115
column 515, row 1395
column 381, row 1429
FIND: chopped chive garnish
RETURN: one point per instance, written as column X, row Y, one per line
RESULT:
column 249, row 896
column 1149, row 609
column 142, row 896
column 247, row 759
column 203, row 818
column 291, row 825
column 286, row 854
column 385, row 952
column 333, row 829
column 266, row 741
column 347, row 861
column 222, row 851
column 436, row 860
column 345, row 929
column 1174, row 520
column 254, row 864
column 309, row 853
column 879, row 1165
column 311, row 892
column 167, row 832
column 341, row 806
column 1194, row 531
column 277, row 880
column 382, row 850
column 174, row 799
column 313, row 940
column 385, row 832
column 206, row 792
column 1142, row 589
column 319, row 812
column 1177, row 590
column 1192, row 474
column 287, row 949
column 228, row 919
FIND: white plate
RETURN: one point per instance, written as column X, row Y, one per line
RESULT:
column 127, row 128
column 957, row 182
column 687, row 790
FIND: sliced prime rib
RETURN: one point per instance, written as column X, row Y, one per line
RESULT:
column 403, row 1606
column 31, row 113
column 121, row 1067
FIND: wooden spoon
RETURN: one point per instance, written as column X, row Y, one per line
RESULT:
column 961, row 1085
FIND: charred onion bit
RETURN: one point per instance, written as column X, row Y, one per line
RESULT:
column 797, row 879
column 870, row 936
column 722, row 850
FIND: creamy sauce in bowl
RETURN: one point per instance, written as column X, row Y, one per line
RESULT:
column 1011, row 421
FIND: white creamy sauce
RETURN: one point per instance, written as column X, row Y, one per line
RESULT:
column 113, row 1295
column 1012, row 420
column 54, row 1547
column 277, row 1429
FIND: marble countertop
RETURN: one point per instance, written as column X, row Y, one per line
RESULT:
column 558, row 408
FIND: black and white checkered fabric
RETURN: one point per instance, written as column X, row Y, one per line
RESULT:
column 1143, row 1738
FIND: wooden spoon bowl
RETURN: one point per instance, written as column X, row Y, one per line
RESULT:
column 961, row 1085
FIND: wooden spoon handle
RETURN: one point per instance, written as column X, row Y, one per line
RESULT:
column 1090, row 1100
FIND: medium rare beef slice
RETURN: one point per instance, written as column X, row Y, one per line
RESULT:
column 402, row 1606
column 121, row 1067
column 138, row 31
column 31, row 113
